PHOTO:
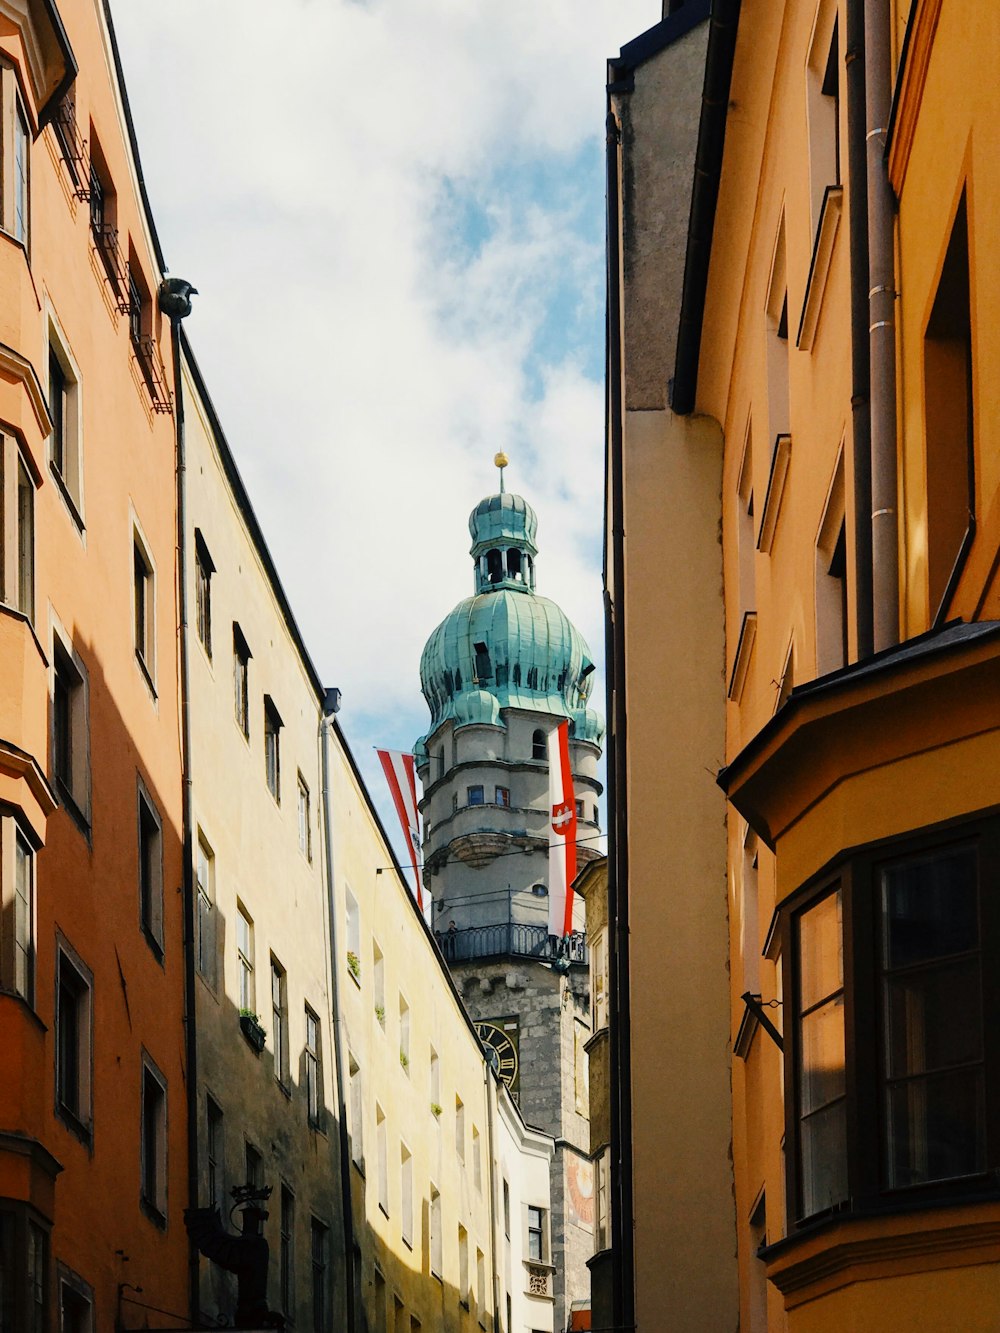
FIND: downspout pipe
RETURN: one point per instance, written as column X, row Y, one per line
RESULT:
column 881, row 327
column 175, row 302
column 857, row 223
column 619, row 1024
column 331, row 707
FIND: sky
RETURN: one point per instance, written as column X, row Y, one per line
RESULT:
column 393, row 211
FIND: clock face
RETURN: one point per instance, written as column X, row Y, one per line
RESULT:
column 502, row 1051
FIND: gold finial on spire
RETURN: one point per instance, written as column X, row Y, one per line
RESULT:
column 501, row 460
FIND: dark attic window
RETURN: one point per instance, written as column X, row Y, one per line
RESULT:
column 494, row 565
column 484, row 669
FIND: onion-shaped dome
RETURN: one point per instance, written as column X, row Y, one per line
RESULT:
column 506, row 643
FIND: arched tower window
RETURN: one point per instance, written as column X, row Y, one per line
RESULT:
column 514, row 563
column 494, row 565
column 538, row 749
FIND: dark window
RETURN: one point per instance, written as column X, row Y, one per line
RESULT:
column 514, row 563
column 320, row 1285
column 287, row 1250
column 538, row 745
column 142, row 589
column 314, row 1069
column 484, row 669
column 150, row 873
column 25, row 542
column 831, row 89
column 476, row 796
column 888, row 1056
column 57, row 410
column 948, row 404
column 241, row 680
column 97, row 218
column 135, row 312
column 279, row 1020
column 203, row 571
column 206, row 950
column 24, row 919
column 73, row 1043
column 494, row 566
column 254, row 1167
column 75, row 1310
column 272, row 753
column 154, row 1143
column 216, row 1154
column 535, row 1234
column 21, row 141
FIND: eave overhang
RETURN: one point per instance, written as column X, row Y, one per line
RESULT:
column 928, row 692
column 650, row 43
column 51, row 64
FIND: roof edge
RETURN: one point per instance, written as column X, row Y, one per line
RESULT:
column 656, row 39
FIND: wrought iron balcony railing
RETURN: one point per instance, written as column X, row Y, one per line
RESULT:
column 511, row 939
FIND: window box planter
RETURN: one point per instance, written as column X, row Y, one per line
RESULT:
column 354, row 965
column 253, row 1031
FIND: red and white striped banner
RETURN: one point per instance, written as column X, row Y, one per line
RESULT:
column 400, row 773
column 562, row 833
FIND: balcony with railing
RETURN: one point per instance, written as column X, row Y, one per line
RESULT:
column 512, row 939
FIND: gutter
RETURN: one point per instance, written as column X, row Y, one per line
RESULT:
column 327, row 723
column 704, row 200
column 619, row 1023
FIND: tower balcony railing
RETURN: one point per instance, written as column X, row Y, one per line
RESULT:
column 511, row 939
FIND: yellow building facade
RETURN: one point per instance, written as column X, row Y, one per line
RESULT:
column 830, row 350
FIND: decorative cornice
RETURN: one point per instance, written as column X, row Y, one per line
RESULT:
column 18, row 367
column 21, row 1145
column 20, row 764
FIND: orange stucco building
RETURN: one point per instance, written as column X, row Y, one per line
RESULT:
column 92, row 1096
column 801, row 349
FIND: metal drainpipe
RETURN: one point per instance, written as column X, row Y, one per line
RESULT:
column 331, row 707
column 175, row 302
column 882, row 327
column 857, row 213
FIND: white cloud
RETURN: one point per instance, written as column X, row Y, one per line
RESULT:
column 366, row 365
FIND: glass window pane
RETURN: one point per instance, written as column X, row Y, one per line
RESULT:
column 934, row 1019
column 936, row 1128
column 821, row 957
column 930, row 907
column 823, row 1145
column 822, row 1056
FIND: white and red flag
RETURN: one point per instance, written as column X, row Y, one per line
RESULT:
column 400, row 773
column 562, row 833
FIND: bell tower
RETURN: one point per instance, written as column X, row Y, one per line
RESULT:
column 503, row 669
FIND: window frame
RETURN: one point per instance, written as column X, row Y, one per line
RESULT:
column 150, row 878
column 314, row 1069
column 279, row 1024
column 215, row 1151
column 304, row 811
column 245, row 964
column 154, row 1207
column 144, row 606
column 857, row 870
column 286, row 1261
column 66, row 411
column 272, row 748
column 79, row 1116
column 206, row 935
column 204, row 568
column 241, row 681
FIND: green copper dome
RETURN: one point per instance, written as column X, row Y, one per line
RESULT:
column 506, row 647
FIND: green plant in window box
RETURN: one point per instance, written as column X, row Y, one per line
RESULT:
column 354, row 963
column 251, row 1028
column 404, row 1059
column 436, row 1108
column 380, row 1013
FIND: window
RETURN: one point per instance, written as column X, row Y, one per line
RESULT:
column 319, row 1236
column 823, row 109
column 506, row 1209
column 150, row 872
column 460, row 1129
column 435, row 1081
column 404, row 1034
column 746, row 538
column 353, row 936
column 382, row 1143
column 25, row 541
column 406, row 1194
column 602, row 1180
column 38, row 1278
column 749, row 914
column 205, row 943
column 154, row 1142
column 21, row 142
column 23, row 963
column 831, row 579
column 598, row 981
column 241, row 680
column 314, row 1071
column 74, row 1041
column 279, row 1021
column 536, row 1234
column 435, row 1233
column 886, row 972
column 244, row 956
column 253, row 1166
column 464, row 1293
column 64, row 409
column 579, row 810
column 57, row 411
column 357, row 1105
column 502, row 795
column 272, row 755
column 776, row 329
column 475, row 796
column 481, row 1286
column 949, row 423
column 143, row 608
column 305, row 824
column 104, row 220
column 538, row 748
column 484, row 669
column 76, row 1304
column 287, row 1251
column 215, row 1143
column 204, row 568
column 378, row 978
column 69, row 729
column 477, row 1160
